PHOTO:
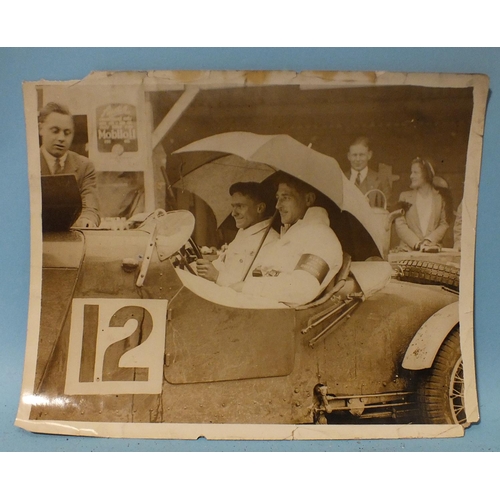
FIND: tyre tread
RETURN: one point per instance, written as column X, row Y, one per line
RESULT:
column 433, row 395
column 429, row 273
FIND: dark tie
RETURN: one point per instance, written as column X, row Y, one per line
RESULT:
column 57, row 166
column 358, row 180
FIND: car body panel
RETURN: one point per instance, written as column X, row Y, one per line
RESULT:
column 427, row 341
column 208, row 342
column 225, row 364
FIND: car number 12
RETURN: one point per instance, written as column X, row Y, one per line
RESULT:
column 116, row 346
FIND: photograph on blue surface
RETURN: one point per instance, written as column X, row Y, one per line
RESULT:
column 165, row 299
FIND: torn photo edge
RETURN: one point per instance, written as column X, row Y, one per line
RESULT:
column 193, row 81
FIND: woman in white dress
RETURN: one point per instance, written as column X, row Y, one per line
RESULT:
column 427, row 205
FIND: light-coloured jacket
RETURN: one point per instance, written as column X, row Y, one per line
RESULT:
column 234, row 262
column 301, row 263
column 408, row 226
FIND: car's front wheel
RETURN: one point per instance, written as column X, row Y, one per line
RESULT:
column 441, row 389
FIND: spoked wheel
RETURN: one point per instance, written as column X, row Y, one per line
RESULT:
column 456, row 393
column 442, row 388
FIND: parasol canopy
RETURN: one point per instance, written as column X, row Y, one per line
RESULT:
column 283, row 153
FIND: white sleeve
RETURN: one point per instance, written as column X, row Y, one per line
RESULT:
column 319, row 260
column 296, row 287
column 218, row 263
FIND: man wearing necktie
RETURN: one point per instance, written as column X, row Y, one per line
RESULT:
column 56, row 129
column 364, row 177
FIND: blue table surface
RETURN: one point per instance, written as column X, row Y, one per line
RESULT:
column 31, row 64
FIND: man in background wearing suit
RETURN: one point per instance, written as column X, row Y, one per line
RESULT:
column 56, row 129
column 362, row 176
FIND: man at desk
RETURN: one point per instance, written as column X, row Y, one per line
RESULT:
column 56, row 129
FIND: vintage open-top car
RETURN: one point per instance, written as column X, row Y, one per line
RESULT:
column 129, row 333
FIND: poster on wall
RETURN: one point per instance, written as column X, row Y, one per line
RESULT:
column 116, row 128
column 294, row 261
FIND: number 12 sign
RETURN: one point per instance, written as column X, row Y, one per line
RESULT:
column 116, row 346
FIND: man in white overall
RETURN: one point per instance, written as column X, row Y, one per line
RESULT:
column 250, row 208
column 298, row 266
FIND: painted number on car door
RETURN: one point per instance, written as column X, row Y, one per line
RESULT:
column 116, row 346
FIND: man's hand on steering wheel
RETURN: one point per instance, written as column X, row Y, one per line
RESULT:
column 207, row 270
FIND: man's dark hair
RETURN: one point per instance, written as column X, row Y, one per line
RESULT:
column 300, row 186
column 364, row 141
column 53, row 107
column 256, row 192
column 251, row 189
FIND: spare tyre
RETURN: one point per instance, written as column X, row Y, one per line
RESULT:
column 428, row 273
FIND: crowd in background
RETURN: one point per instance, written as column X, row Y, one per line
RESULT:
column 427, row 207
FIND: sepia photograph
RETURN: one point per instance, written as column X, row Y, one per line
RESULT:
column 253, row 254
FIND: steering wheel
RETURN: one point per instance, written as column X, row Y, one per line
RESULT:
column 187, row 254
column 196, row 248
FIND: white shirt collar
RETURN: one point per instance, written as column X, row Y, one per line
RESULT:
column 363, row 173
column 51, row 160
column 256, row 227
column 313, row 215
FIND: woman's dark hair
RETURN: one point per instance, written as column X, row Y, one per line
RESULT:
column 438, row 183
column 448, row 202
column 426, row 167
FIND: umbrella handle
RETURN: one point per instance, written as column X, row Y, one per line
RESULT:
column 273, row 218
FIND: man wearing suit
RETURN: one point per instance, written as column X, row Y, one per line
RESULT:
column 56, row 129
column 362, row 176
